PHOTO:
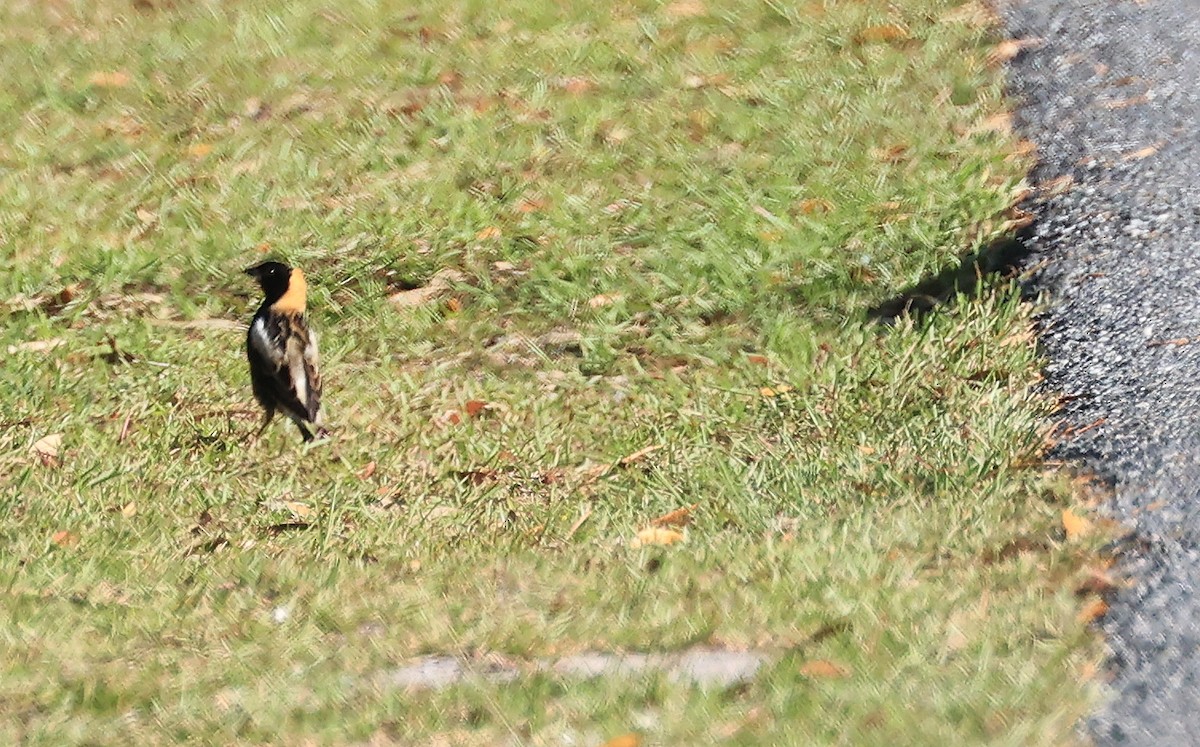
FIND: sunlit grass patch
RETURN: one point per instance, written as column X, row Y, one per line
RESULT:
column 576, row 269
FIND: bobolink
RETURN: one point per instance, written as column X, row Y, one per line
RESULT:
column 282, row 350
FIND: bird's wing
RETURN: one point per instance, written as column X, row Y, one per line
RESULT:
column 263, row 341
column 312, row 371
column 302, row 370
column 281, row 342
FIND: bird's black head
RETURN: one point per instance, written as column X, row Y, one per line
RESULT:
column 272, row 277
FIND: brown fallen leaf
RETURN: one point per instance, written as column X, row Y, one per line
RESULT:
column 975, row 14
column 491, row 232
column 125, row 428
column 1020, row 338
column 1019, row 194
column 1176, row 342
column 758, row 360
column 368, row 470
column 680, row 517
column 632, row 739
column 1018, row 218
column 1021, row 149
column 813, row 205
column 47, row 448
column 1075, row 525
column 1097, row 581
column 35, row 346
column 686, row 9
column 67, row 294
column 437, row 285
column 63, row 538
column 295, row 104
column 614, row 133
column 891, row 154
column 1087, row 427
column 1000, row 123
column 620, row 206
column 602, row 300
column 886, row 32
column 199, row 150
column 109, row 79
column 576, row 86
column 255, row 108
column 480, row 476
column 824, row 669
column 1007, row 50
column 298, row 509
column 956, row 639
column 475, row 407
column 451, row 79
column 1092, row 611
column 129, row 510
column 1057, row 186
column 530, row 205
column 656, row 536
column 50, row 303
column 1088, row 671
column 639, row 455
column 768, row 391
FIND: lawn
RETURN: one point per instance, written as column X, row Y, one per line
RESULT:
column 591, row 284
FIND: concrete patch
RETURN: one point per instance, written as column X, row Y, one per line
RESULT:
column 703, row 667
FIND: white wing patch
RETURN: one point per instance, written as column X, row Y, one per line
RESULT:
column 261, row 341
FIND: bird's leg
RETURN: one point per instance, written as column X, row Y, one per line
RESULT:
column 304, row 432
column 267, row 415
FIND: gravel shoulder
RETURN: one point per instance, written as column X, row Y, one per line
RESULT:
column 1110, row 93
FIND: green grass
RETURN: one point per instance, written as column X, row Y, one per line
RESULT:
column 636, row 217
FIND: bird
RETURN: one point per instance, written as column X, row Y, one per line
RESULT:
column 282, row 350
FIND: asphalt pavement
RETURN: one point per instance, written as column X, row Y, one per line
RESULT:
column 1109, row 90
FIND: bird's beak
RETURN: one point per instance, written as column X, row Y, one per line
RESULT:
column 251, row 271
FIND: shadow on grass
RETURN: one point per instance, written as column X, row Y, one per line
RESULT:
column 1004, row 256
